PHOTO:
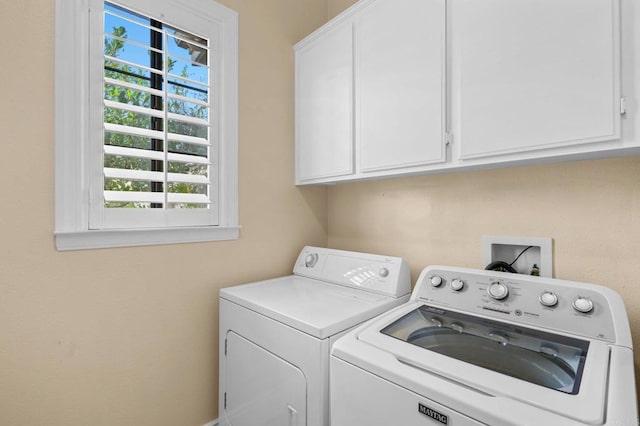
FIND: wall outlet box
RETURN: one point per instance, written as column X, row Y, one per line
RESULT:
column 507, row 249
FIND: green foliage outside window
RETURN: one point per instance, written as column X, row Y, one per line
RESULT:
column 113, row 47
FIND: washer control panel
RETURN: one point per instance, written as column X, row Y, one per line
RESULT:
column 379, row 274
column 567, row 306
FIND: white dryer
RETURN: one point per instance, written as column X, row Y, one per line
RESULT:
column 276, row 335
column 475, row 347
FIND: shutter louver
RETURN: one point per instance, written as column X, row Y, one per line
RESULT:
column 157, row 118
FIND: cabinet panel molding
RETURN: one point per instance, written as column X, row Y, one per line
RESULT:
column 400, row 54
column 532, row 74
column 324, row 105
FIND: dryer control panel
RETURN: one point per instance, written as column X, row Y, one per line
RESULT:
column 375, row 273
column 564, row 306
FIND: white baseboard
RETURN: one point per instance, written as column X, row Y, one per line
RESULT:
column 211, row 423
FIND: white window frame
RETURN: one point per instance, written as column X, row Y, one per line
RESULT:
column 75, row 159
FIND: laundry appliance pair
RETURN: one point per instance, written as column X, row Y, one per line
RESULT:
column 341, row 343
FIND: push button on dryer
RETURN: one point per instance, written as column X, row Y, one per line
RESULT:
column 311, row 260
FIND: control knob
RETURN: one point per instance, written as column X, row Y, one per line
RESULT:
column 582, row 305
column 457, row 284
column 498, row 290
column 383, row 272
column 548, row 299
column 436, row 280
column 311, row 260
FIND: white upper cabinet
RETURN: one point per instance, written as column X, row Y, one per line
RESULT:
column 531, row 75
column 400, row 84
column 370, row 92
column 324, row 105
column 402, row 87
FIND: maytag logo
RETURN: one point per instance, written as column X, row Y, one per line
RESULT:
column 429, row 412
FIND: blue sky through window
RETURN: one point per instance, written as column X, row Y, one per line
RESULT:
column 180, row 50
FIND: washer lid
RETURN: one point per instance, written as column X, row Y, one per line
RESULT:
column 403, row 352
column 315, row 307
column 539, row 357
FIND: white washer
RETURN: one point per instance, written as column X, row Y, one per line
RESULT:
column 275, row 335
column 475, row 347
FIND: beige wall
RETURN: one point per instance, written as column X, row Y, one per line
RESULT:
column 591, row 209
column 336, row 6
column 129, row 336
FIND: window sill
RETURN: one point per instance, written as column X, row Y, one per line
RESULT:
column 82, row 240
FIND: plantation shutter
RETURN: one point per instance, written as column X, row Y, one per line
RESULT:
column 159, row 154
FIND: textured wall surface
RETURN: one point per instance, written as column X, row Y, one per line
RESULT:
column 128, row 336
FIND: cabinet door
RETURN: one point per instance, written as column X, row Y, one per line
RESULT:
column 534, row 74
column 400, row 84
column 324, row 105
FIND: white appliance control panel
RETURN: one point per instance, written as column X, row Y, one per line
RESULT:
column 379, row 274
column 571, row 307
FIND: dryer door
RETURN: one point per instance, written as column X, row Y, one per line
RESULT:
column 262, row 389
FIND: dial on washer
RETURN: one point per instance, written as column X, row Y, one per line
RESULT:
column 436, row 280
column 582, row 305
column 548, row 299
column 498, row 291
column 457, row 284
